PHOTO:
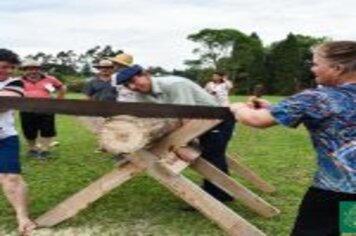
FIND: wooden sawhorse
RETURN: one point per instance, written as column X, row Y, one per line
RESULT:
column 160, row 163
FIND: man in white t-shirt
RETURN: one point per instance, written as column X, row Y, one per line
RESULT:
column 11, row 181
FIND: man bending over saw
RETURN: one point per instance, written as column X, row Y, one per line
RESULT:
column 179, row 90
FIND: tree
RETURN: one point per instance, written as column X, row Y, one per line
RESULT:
column 86, row 70
column 289, row 64
column 214, row 45
column 284, row 61
column 305, row 43
column 248, row 63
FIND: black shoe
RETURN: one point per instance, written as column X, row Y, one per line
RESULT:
column 226, row 199
column 120, row 160
column 44, row 154
column 188, row 208
column 33, row 154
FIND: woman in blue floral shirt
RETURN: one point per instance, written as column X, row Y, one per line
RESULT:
column 329, row 114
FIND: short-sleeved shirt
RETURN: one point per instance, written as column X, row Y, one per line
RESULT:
column 220, row 91
column 124, row 94
column 329, row 113
column 41, row 88
column 7, row 123
column 100, row 90
column 177, row 90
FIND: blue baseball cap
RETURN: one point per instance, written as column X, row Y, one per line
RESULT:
column 128, row 73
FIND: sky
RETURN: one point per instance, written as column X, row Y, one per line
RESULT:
column 155, row 31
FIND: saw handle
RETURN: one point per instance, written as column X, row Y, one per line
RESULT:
column 257, row 92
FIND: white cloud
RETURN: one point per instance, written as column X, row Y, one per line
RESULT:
column 155, row 31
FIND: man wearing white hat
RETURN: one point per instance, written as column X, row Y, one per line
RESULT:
column 100, row 87
column 36, row 126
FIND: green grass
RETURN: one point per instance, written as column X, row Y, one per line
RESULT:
column 141, row 206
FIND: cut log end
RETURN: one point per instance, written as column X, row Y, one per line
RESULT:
column 127, row 134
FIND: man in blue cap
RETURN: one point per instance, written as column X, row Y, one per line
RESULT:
column 179, row 90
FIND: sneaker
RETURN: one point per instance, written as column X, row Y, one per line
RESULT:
column 188, row 208
column 45, row 154
column 54, row 144
column 119, row 160
column 99, row 150
column 33, row 153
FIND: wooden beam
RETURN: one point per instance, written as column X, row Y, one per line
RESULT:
column 82, row 199
column 233, row 187
column 166, row 147
column 250, row 175
column 180, row 137
column 229, row 221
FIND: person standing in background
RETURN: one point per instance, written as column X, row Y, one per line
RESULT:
column 122, row 61
column 39, row 129
column 100, row 87
column 219, row 87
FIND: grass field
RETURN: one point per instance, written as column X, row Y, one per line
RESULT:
column 141, row 206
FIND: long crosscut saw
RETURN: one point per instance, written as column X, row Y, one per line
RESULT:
column 107, row 109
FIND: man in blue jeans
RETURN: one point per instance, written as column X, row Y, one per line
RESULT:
column 12, row 183
column 179, row 90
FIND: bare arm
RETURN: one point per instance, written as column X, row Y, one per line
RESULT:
column 259, row 118
column 229, row 84
column 8, row 93
column 61, row 92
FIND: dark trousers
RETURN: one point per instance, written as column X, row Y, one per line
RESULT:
column 214, row 144
column 34, row 124
column 319, row 213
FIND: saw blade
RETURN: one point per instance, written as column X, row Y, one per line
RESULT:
column 107, row 109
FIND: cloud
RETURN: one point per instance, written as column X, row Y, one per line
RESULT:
column 155, row 31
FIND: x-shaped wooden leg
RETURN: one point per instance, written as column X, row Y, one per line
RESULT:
column 170, row 177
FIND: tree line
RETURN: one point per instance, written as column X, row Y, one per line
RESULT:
column 281, row 67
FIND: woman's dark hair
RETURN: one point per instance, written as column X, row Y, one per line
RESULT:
column 9, row 56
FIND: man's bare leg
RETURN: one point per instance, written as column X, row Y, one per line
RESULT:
column 15, row 190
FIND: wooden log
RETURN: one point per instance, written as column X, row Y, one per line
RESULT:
column 93, row 124
column 127, row 134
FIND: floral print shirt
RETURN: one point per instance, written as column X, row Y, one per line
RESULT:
column 329, row 114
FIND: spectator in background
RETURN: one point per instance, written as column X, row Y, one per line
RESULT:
column 219, row 87
column 11, row 180
column 122, row 61
column 100, row 88
column 38, row 128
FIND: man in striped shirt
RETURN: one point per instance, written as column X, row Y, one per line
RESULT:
column 11, row 181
